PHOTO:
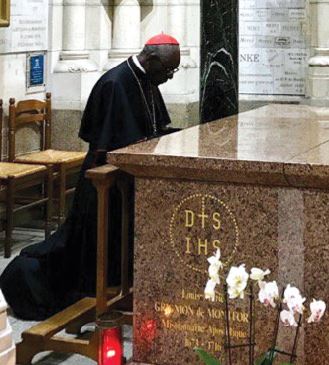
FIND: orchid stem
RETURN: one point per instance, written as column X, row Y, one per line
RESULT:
column 251, row 326
column 294, row 348
column 228, row 335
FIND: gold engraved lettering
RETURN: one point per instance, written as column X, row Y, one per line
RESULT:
column 183, row 327
column 191, row 342
column 217, row 222
column 193, row 295
column 216, row 331
column 245, row 317
column 239, row 317
column 216, row 244
column 187, row 310
column 214, row 346
column 203, row 219
column 238, row 333
column 188, row 245
column 189, row 218
column 203, row 245
column 215, row 313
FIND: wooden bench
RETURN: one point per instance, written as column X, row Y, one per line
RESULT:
column 44, row 336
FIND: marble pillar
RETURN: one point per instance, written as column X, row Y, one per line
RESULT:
column 74, row 57
column 219, row 59
column 318, row 75
column 126, row 31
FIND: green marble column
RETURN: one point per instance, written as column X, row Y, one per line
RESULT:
column 219, row 59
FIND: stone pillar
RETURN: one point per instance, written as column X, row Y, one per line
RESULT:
column 73, row 57
column 126, row 31
column 182, row 92
column 177, row 19
column 219, row 89
column 318, row 65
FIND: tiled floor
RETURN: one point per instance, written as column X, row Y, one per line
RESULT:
column 22, row 238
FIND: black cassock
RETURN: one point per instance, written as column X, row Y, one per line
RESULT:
column 50, row 275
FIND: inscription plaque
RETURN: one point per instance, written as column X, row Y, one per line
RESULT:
column 177, row 312
column 28, row 27
column 273, row 47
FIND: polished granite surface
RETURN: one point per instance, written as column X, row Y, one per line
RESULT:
column 248, row 170
column 276, row 144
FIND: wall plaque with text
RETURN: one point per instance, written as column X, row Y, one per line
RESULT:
column 171, row 271
column 273, row 47
column 28, row 27
column 35, row 72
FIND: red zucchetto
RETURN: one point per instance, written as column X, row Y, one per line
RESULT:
column 162, row 39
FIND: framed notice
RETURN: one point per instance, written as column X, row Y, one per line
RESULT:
column 4, row 13
column 35, row 72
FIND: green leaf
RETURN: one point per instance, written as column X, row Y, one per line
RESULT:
column 206, row 358
column 265, row 359
column 286, row 363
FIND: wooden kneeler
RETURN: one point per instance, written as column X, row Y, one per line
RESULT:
column 44, row 336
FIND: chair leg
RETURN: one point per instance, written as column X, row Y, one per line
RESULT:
column 9, row 217
column 49, row 204
column 62, row 188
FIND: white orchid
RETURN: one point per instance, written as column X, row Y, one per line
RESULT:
column 258, row 274
column 237, row 281
column 288, row 319
column 290, row 292
column 296, row 304
column 209, row 291
column 215, row 265
column 268, row 293
column 317, row 308
column 293, row 299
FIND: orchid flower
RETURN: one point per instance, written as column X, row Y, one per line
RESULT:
column 258, row 274
column 269, row 292
column 209, row 291
column 288, row 319
column 318, row 308
column 237, row 281
column 293, row 299
column 215, row 265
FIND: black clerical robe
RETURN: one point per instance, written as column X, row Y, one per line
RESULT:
column 52, row 274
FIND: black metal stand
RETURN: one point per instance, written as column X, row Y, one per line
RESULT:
column 251, row 343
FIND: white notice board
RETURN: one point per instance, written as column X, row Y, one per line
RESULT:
column 273, row 47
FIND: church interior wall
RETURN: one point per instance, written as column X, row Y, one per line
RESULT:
column 70, row 89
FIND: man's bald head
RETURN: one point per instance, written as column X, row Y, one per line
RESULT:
column 160, row 61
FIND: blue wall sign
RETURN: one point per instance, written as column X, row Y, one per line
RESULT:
column 37, row 70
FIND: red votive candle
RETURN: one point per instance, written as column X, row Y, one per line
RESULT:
column 110, row 344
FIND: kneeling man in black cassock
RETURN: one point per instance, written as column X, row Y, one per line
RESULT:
column 124, row 107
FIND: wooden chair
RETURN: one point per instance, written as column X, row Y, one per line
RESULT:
column 16, row 177
column 64, row 162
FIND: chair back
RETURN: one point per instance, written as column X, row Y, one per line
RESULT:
column 27, row 112
column 1, row 124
